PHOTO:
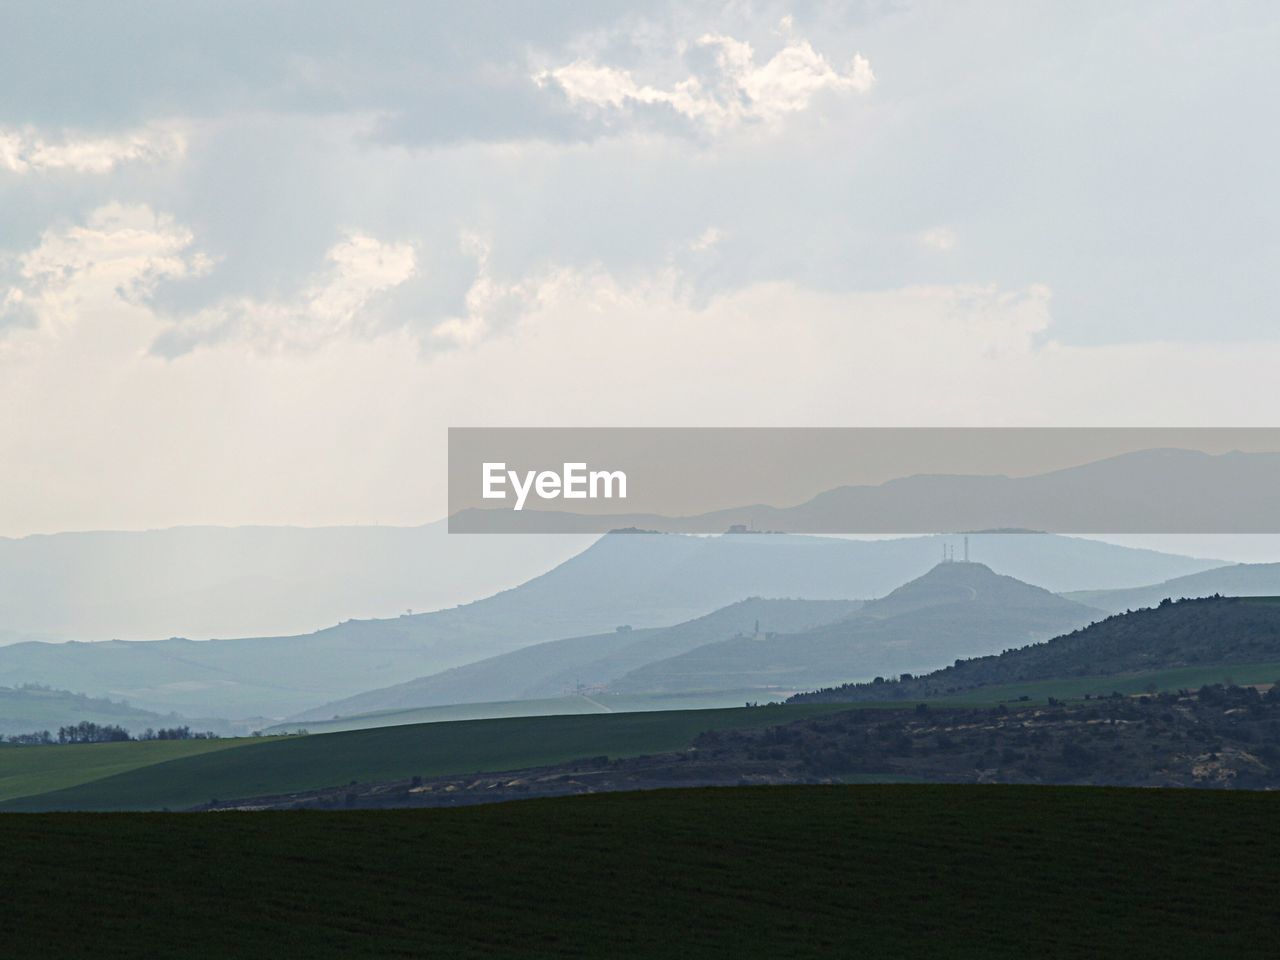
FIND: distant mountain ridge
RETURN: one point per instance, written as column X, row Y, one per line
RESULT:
column 621, row 579
column 954, row 610
column 557, row 666
column 33, row 709
column 250, row 581
column 1235, row 580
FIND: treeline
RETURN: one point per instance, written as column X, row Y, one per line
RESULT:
column 86, row 732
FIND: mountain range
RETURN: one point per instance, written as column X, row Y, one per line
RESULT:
column 955, row 610
column 206, row 582
column 624, row 579
column 559, row 666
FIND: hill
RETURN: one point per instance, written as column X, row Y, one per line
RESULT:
column 551, row 669
column 204, row 582
column 28, row 709
column 29, row 770
column 622, row 579
column 956, row 609
column 569, row 704
column 55, row 778
column 1190, row 633
column 898, row 870
column 1235, row 580
column 1218, row 738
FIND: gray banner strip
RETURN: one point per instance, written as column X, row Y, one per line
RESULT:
column 865, row 480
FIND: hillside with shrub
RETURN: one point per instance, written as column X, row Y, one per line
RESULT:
column 1213, row 630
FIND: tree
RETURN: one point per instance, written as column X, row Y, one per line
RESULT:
column 87, row 732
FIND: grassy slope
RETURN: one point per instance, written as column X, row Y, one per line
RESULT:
column 139, row 775
column 595, row 703
column 1039, row 690
column 136, row 775
column 1213, row 638
column 300, row 763
column 871, row 871
column 30, row 770
column 550, row 706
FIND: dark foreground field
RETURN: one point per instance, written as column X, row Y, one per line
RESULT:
column 869, row 871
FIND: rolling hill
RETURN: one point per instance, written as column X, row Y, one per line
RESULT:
column 558, row 666
column 30, row 709
column 622, row 579
column 1235, row 580
column 142, row 776
column 31, row 770
column 956, row 609
column 204, row 582
column 569, row 704
column 1214, row 632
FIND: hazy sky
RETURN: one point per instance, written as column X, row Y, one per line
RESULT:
column 255, row 258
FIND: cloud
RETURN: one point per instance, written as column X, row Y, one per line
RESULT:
column 120, row 252
column 942, row 239
column 310, row 273
column 491, row 305
column 734, row 92
column 26, row 151
column 706, row 240
column 332, row 305
column 352, row 428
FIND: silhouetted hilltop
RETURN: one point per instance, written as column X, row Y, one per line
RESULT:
column 956, row 609
column 552, row 668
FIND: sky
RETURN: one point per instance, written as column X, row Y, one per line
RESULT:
column 255, row 259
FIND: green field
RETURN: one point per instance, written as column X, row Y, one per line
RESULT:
column 28, row 770
column 1038, row 690
column 177, row 774
column 248, row 767
column 1035, row 690
column 866, row 871
column 549, row 706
